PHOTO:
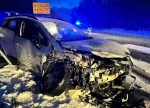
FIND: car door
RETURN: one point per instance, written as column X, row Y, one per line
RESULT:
column 8, row 30
column 31, row 45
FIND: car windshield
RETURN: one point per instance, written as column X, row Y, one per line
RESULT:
column 67, row 31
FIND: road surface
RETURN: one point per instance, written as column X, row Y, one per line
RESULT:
column 139, row 46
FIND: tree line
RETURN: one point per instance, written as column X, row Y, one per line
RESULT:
column 127, row 14
column 24, row 6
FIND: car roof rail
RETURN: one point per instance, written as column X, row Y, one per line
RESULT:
column 26, row 15
column 13, row 13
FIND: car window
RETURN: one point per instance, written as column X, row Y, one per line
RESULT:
column 4, row 22
column 33, row 33
column 51, row 27
column 68, row 31
column 11, row 25
column 71, row 33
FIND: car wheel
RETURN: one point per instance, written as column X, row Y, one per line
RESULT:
column 56, row 78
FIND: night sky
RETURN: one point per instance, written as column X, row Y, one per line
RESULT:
column 62, row 3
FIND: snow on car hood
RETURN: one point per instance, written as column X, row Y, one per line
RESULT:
column 97, row 45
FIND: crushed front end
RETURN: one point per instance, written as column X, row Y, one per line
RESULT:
column 100, row 79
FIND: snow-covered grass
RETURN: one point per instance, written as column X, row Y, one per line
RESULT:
column 18, row 88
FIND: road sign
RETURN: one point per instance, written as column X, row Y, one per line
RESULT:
column 41, row 11
column 41, row 8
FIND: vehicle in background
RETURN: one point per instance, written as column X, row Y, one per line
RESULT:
column 83, row 26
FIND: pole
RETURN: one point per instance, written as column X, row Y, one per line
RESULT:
column 5, row 57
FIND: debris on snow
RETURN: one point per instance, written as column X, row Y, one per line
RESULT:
column 15, row 90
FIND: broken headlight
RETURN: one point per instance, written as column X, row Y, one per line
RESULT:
column 100, row 77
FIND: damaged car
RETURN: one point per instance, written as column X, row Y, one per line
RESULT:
column 66, row 57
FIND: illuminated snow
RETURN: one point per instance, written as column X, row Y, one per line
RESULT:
column 142, row 33
column 138, row 48
column 20, row 90
column 25, row 97
column 145, row 66
column 18, row 85
column 1, row 35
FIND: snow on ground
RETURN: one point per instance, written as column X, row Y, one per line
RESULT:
column 18, row 87
column 143, row 33
column 141, row 37
column 138, row 48
column 143, row 65
column 139, row 80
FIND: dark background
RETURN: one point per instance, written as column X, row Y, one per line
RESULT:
column 102, row 14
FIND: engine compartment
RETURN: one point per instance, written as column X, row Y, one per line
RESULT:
column 99, row 79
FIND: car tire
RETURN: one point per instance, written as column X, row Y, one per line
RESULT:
column 55, row 79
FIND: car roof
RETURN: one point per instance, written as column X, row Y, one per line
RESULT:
column 22, row 17
column 35, row 19
column 55, row 20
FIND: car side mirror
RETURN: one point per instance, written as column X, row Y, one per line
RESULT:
column 57, row 36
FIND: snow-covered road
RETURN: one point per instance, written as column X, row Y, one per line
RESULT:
column 124, row 39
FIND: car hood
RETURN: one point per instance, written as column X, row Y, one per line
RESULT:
column 101, row 47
